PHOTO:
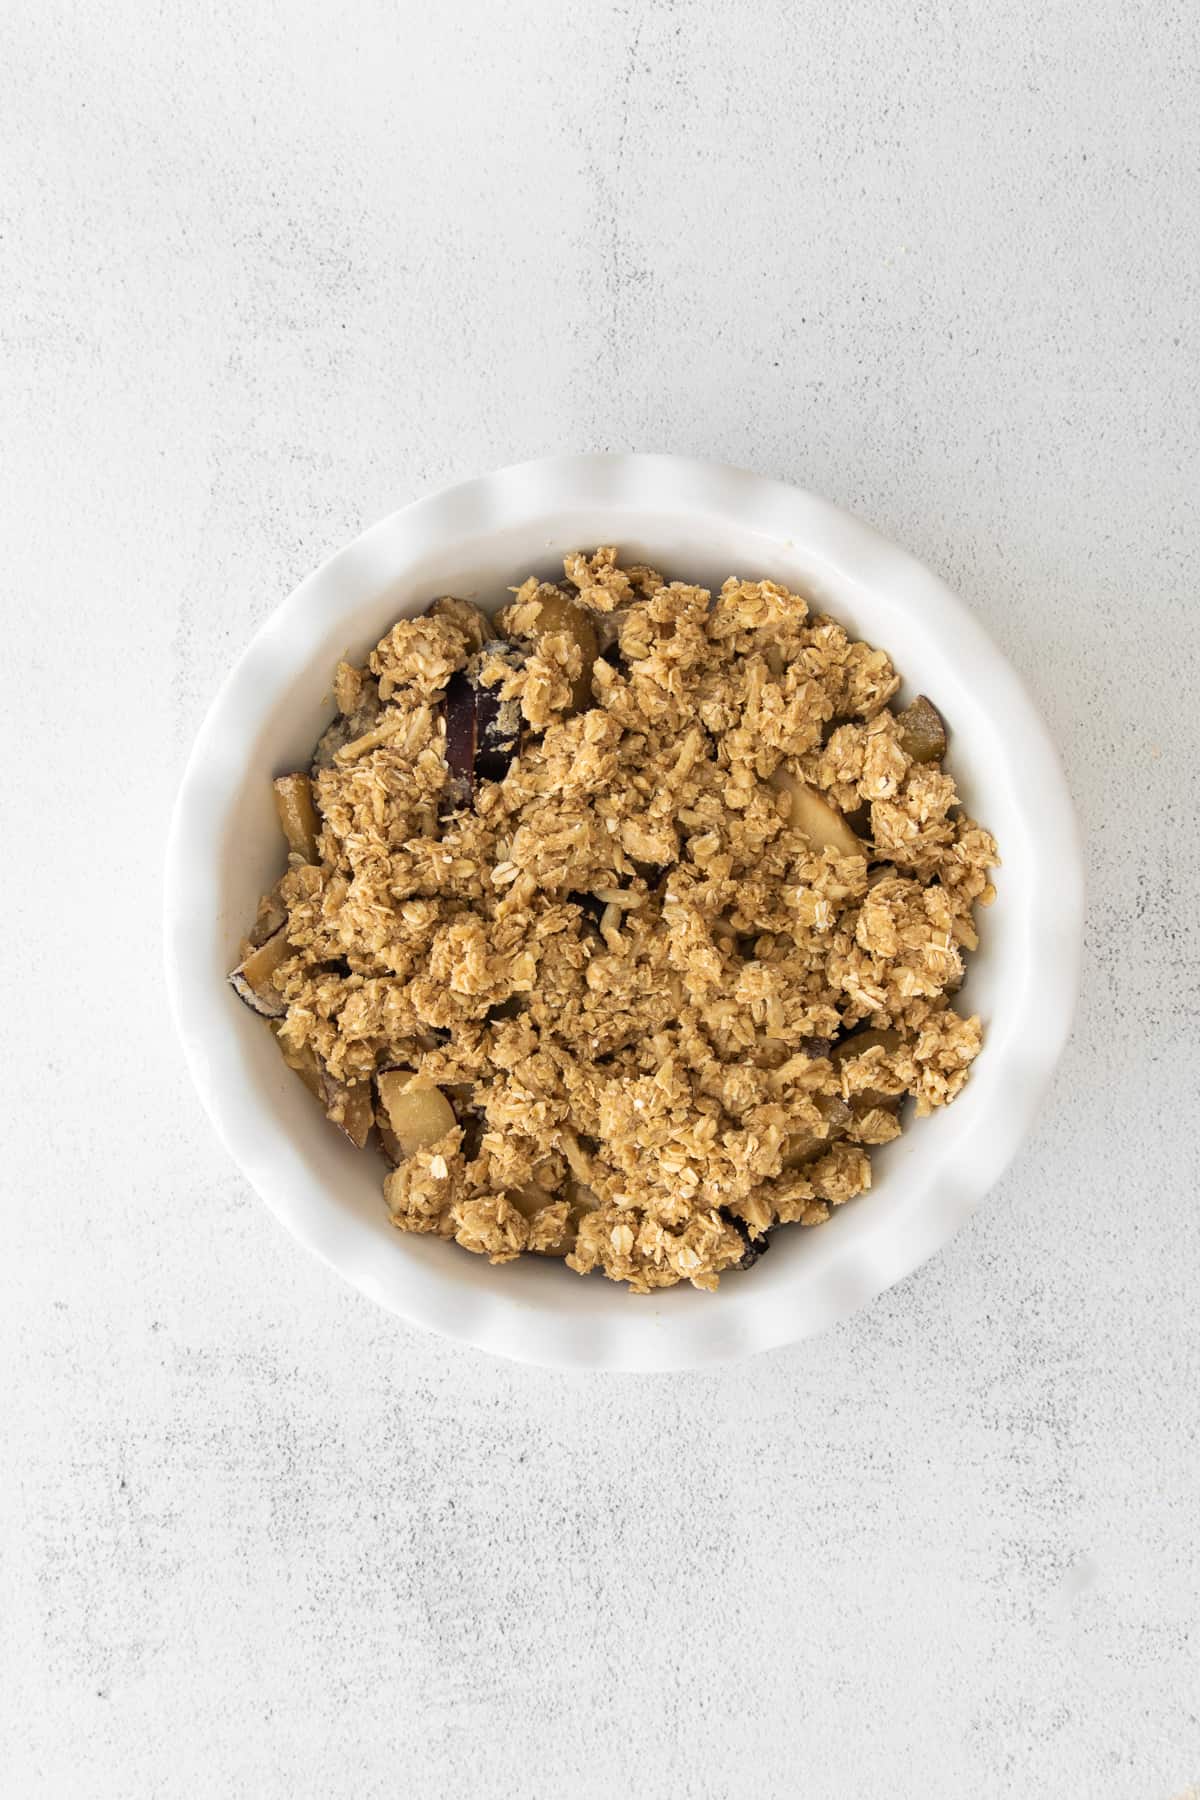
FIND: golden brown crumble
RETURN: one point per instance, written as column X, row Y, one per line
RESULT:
column 627, row 922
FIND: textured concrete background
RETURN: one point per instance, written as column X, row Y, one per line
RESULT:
column 267, row 271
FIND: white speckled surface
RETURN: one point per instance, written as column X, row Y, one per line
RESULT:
column 264, row 273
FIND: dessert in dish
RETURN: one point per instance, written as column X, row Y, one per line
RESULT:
column 626, row 924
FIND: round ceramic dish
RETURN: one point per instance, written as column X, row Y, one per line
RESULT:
column 698, row 522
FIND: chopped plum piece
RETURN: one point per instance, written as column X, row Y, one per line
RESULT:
column 495, row 736
column 802, row 1146
column 922, row 731
column 388, row 1140
column 350, row 1109
column 272, row 913
column 497, row 722
column 813, row 815
column 298, row 815
column 417, row 1112
column 559, row 612
column 348, row 1106
column 306, row 1064
column 458, row 709
column 482, row 731
column 251, row 980
column 859, row 1041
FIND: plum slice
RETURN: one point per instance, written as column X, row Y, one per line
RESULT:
column 813, row 815
column 252, row 980
column 417, row 1113
column 482, row 731
column 348, row 1106
column 298, row 815
column 497, row 734
column 458, row 710
column 802, row 1146
column 272, row 913
column 922, row 731
column 559, row 612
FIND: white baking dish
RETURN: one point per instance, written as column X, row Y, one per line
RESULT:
column 698, row 522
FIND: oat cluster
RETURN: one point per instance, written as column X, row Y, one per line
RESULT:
column 673, row 976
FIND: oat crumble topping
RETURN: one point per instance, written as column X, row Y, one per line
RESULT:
column 625, row 922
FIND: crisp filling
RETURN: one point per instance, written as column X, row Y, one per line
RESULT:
column 626, row 923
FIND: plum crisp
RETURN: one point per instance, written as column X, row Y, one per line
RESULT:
column 626, row 923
